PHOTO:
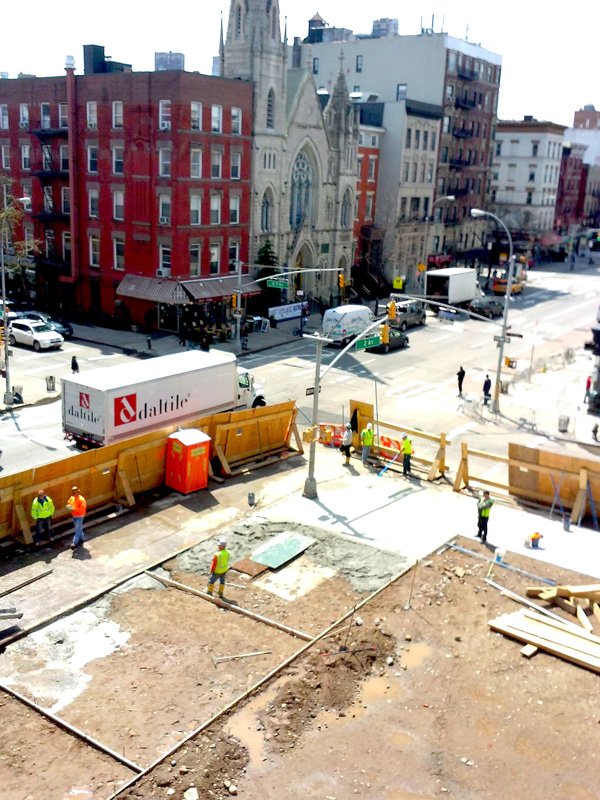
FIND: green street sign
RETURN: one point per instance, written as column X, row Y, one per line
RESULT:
column 371, row 341
column 277, row 284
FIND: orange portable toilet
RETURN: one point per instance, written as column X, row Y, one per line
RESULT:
column 187, row 460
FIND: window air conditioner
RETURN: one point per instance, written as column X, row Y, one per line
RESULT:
column 165, row 220
column 23, row 125
column 165, row 126
column 92, row 125
column 163, row 272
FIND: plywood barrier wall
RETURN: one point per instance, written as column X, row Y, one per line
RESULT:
column 115, row 472
column 530, row 474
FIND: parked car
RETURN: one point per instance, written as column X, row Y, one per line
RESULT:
column 58, row 325
column 409, row 313
column 34, row 334
column 487, row 307
column 397, row 341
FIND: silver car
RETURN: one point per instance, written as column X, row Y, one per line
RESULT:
column 409, row 313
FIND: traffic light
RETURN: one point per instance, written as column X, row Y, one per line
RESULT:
column 384, row 334
column 391, row 309
column 234, row 300
column 341, row 280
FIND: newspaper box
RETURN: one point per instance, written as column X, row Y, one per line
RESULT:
column 187, row 461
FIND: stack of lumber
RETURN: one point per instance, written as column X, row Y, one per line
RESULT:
column 582, row 602
column 561, row 639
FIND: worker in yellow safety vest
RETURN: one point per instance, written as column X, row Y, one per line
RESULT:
column 366, row 437
column 406, row 454
column 219, row 567
column 42, row 510
column 483, row 515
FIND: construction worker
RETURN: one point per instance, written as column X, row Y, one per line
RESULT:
column 346, row 442
column 219, row 567
column 77, row 506
column 406, row 454
column 42, row 510
column 483, row 515
column 366, row 437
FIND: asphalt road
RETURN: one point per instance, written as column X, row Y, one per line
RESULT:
column 415, row 387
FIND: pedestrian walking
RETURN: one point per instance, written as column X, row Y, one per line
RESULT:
column 487, row 385
column 42, row 510
column 461, row 376
column 483, row 515
column 219, row 568
column 588, row 388
column 183, row 335
column 595, row 432
column 366, row 437
column 406, row 454
column 346, row 442
column 77, row 506
column 74, row 365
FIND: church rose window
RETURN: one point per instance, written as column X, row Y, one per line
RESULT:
column 301, row 194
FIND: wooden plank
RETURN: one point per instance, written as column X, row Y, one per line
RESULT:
column 566, row 605
column 534, row 591
column 489, row 456
column 582, row 591
column 127, row 488
column 583, row 620
column 596, row 611
column 548, row 594
column 562, row 625
column 431, row 437
column 248, row 567
column 24, row 523
column 486, row 482
column 18, row 586
column 529, row 650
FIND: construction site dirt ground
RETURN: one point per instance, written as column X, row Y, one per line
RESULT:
column 440, row 705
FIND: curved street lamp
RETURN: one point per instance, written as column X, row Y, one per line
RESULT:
column 449, row 198
column 478, row 212
column 8, row 395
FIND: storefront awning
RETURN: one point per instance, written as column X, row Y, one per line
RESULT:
column 174, row 292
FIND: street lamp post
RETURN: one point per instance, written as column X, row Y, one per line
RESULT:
column 449, row 198
column 310, row 484
column 8, row 395
column 478, row 212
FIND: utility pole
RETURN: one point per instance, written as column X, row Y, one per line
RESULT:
column 310, row 484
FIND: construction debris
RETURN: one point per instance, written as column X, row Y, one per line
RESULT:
column 576, row 600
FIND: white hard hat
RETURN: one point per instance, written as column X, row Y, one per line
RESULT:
column 222, row 542
column 370, row 426
column 404, row 436
column 348, row 425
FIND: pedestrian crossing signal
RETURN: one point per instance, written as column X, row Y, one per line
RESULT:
column 234, row 301
column 384, row 334
column 391, row 309
column 341, row 280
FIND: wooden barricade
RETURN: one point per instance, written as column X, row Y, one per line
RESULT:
column 464, row 479
column 116, row 473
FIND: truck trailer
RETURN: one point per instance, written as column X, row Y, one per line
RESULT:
column 110, row 404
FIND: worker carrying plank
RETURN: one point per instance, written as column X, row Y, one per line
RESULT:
column 219, row 567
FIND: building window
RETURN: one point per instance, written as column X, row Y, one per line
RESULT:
column 25, row 156
column 414, row 208
column 449, row 92
column 64, row 158
column 92, row 114
column 534, row 148
column 433, row 139
column 417, row 138
column 236, row 120
column 498, row 148
column 406, row 170
column 216, row 161
column 345, row 212
column 195, row 251
column 415, row 167
column 65, row 200
column 117, row 159
column 164, row 162
column 266, row 213
column 4, row 117
column 234, row 210
column 195, row 209
column 215, row 258
column 196, row 162
column 531, row 176
column 117, row 114
column 234, row 255
column 236, row 166
column 359, row 163
column 165, row 257
column 119, row 205
column 401, row 89
column 164, row 115
column 45, row 115
column 423, row 173
column 215, row 209
column 529, row 198
column 369, row 208
column 23, row 115
column 94, row 250
column 359, row 63
column 164, row 209
column 372, row 164
column 403, row 208
column 271, row 109
column 92, row 159
column 66, row 247
column 48, row 200
column 430, row 172
column 425, row 139
column 446, row 125
column 93, row 203
column 5, row 156
column 216, row 119
column 63, row 115
column 315, row 66
column 119, row 254
column 408, row 141
column 196, row 116
column 302, row 190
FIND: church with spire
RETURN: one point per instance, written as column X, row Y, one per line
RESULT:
column 304, row 155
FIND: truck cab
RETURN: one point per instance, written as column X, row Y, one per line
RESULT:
column 250, row 394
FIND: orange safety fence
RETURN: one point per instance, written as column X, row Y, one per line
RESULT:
column 331, row 434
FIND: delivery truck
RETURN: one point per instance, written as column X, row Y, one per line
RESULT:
column 455, row 286
column 345, row 322
column 107, row 405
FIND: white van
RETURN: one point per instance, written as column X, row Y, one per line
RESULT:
column 345, row 322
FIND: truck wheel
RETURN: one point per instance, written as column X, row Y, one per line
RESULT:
column 260, row 402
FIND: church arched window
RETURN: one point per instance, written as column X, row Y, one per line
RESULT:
column 266, row 212
column 274, row 25
column 238, row 23
column 302, row 191
column 345, row 213
column 271, row 109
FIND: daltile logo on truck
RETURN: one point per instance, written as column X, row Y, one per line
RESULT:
column 126, row 409
column 84, row 411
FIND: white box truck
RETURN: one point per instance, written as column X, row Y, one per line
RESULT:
column 106, row 405
column 345, row 322
column 453, row 285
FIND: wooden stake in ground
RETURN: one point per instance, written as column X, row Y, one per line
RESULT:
column 412, row 586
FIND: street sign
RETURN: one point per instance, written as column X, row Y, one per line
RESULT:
column 500, row 339
column 277, row 284
column 511, row 363
column 421, row 267
column 311, row 390
column 371, row 341
column 515, row 335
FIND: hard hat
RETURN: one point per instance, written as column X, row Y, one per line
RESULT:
column 222, row 542
column 348, row 425
column 404, row 436
column 370, row 426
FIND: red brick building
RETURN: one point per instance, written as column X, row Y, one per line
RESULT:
column 135, row 178
column 586, row 117
column 570, row 198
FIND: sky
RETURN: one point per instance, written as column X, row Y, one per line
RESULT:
column 550, row 52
